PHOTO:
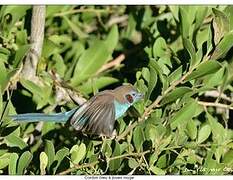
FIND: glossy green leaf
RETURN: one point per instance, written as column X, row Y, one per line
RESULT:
column 15, row 141
column 184, row 22
column 175, row 75
column 206, row 68
column 223, row 47
column 220, row 24
column 43, row 162
column 133, row 163
column 184, row 114
column 23, row 162
column 13, row 164
column 138, row 138
column 20, row 54
column 191, row 50
column 175, row 94
column 4, row 160
column 157, row 171
column 200, row 16
column 159, row 47
column 218, row 131
column 100, row 82
column 50, row 151
column 115, row 164
column 152, row 82
column 60, row 155
column 112, row 38
column 75, row 28
column 78, row 153
column 90, row 61
column 192, row 129
column 203, row 133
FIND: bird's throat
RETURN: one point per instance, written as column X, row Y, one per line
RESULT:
column 120, row 109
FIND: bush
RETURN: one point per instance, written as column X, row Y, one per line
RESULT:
column 180, row 57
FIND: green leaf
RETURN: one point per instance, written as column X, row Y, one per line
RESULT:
column 175, row 94
column 78, row 153
column 15, row 13
column 107, row 150
column 133, row 163
column 175, row 75
column 203, row 133
column 60, row 155
column 184, row 22
column 138, row 138
column 223, row 47
column 15, row 141
column 157, row 171
column 203, row 69
column 1, row 101
column 32, row 87
column 115, row 164
column 4, row 160
column 100, row 82
column 145, row 74
column 43, row 162
column 90, row 61
column 200, row 16
column 221, row 25
column 13, row 164
column 186, row 113
column 228, row 158
column 75, row 28
column 159, row 47
column 20, row 54
column 23, row 162
column 3, row 77
column 112, row 39
column 152, row 82
column 50, row 151
column 192, row 129
column 218, row 131
column 192, row 53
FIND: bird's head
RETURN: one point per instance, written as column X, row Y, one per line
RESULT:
column 127, row 94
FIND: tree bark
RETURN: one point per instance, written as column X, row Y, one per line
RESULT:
column 36, row 40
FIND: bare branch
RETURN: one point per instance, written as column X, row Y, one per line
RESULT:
column 36, row 39
column 114, row 63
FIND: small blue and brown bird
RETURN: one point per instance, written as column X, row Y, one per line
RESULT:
column 96, row 116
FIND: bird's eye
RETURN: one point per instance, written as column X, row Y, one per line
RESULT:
column 129, row 98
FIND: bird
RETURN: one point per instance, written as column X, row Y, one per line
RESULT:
column 96, row 116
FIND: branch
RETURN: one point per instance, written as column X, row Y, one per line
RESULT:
column 77, row 166
column 74, row 11
column 128, row 155
column 36, row 39
column 114, row 63
column 214, row 104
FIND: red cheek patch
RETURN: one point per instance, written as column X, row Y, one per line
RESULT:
column 129, row 98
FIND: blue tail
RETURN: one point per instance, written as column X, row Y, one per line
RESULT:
column 35, row 117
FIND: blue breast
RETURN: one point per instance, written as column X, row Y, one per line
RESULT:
column 120, row 109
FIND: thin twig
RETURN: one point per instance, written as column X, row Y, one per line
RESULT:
column 217, row 94
column 77, row 166
column 74, row 11
column 214, row 104
column 114, row 63
column 128, row 155
column 117, row 20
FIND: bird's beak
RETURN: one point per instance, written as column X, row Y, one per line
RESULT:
column 140, row 95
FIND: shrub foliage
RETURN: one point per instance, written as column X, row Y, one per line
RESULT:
column 180, row 57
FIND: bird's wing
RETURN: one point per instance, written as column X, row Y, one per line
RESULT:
column 97, row 116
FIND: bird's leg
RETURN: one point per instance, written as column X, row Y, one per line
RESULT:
column 112, row 136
